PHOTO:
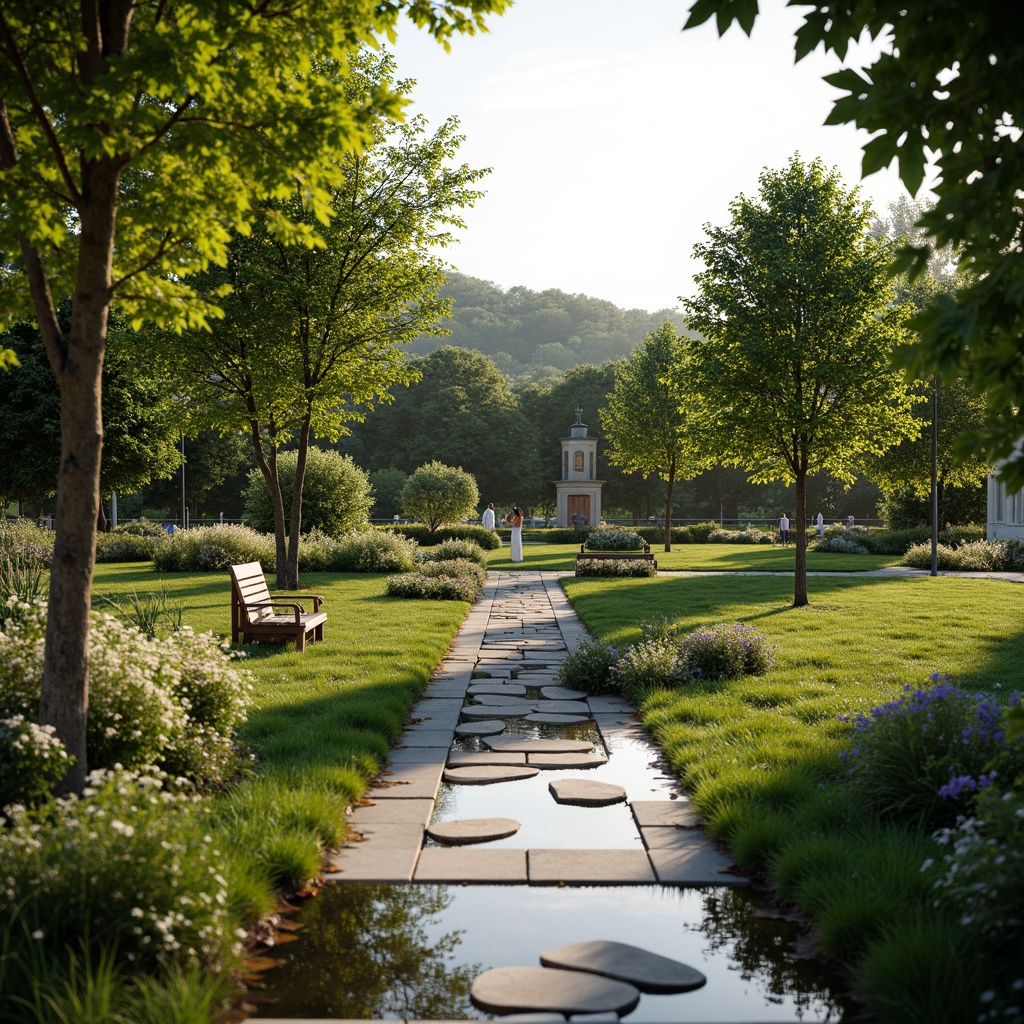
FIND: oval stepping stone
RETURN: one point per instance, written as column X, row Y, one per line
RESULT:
column 503, row 699
column 586, row 793
column 563, row 707
column 561, row 693
column 527, row 745
column 488, row 773
column 543, row 718
column 469, row 758
column 504, row 990
column 566, row 760
column 472, row 830
column 489, row 711
column 649, row 972
column 503, row 689
column 488, row 727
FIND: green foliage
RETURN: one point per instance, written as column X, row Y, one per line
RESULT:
column 799, row 327
column 588, row 667
column 387, row 487
column 440, row 494
column 653, row 662
column 751, row 535
column 425, row 537
column 26, row 544
column 166, row 901
column 969, row 556
column 902, row 508
column 214, row 548
column 126, row 547
column 21, row 586
column 453, row 580
column 32, row 761
column 724, row 652
column 374, row 551
column 147, row 613
column 839, row 544
column 613, row 540
column 934, row 92
column 452, row 548
column 173, row 703
column 652, row 418
column 631, row 567
column 336, row 494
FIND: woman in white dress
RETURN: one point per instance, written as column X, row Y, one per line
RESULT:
column 515, row 520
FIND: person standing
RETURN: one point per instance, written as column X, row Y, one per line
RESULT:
column 784, row 530
column 821, row 524
column 488, row 517
column 515, row 520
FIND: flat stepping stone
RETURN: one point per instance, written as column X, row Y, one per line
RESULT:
column 502, row 699
column 561, row 693
column 488, row 727
column 649, row 972
column 566, row 760
column 489, row 711
column 488, row 773
column 504, row 990
column 543, row 718
column 562, row 707
column 502, row 689
column 473, row 830
column 586, row 793
column 528, row 745
column 473, row 758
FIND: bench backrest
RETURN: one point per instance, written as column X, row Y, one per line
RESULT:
column 250, row 587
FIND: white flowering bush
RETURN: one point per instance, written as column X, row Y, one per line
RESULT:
column 838, row 544
column 374, row 551
column 633, row 568
column 751, row 535
column 454, row 548
column 172, row 702
column 211, row 548
column 654, row 661
column 125, row 865
column 32, row 759
column 614, row 540
column 453, row 580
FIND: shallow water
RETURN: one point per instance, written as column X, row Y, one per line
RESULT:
column 397, row 952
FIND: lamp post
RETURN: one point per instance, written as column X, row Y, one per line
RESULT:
column 935, row 477
column 183, row 508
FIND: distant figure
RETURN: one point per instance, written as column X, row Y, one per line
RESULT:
column 169, row 527
column 821, row 524
column 515, row 520
column 579, row 520
column 849, row 520
column 784, row 529
column 488, row 517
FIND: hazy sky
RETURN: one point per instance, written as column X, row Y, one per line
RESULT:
column 614, row 137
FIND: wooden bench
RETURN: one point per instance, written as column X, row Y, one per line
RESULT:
column 624, row 556
column 253, row 614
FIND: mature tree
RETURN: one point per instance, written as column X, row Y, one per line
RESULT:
column 796, row 311
column 462, row 412
column 946, row 86
column 652, row 418
column 387, row 485
column 336, row 496
column 440, row 494
column 141, row 438
column 309, row 335
column 134, row 139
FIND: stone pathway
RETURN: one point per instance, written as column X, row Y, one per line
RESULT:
column 513, row 639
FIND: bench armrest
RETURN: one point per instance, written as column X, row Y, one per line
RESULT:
column 296, row 608
column 317, row 601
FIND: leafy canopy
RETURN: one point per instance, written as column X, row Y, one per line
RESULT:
column 440, row 494
column 946, row 87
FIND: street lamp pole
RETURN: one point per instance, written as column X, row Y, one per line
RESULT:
column 935, row 477
column 183, row 509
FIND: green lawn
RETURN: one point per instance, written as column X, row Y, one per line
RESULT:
column 702, row 558
column 760, row 755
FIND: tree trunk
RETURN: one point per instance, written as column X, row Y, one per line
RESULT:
column 268, row 467
column 800, row 522
column 295, row 526
column 668, row 504
column 65, row 689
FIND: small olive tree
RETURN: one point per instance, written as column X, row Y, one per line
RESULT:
column 440, row 494
column 336, row 493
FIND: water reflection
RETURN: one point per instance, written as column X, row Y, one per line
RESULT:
column 374, row 951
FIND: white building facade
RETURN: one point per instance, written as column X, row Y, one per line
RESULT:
column 1005, row 509
column 578, row 493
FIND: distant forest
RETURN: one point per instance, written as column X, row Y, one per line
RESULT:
column 528, row 334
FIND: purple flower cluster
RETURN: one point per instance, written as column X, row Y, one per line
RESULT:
column 961, row 784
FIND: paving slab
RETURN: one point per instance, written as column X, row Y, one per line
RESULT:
column 589, row 867
column 475, row 758
column 488, row 727
column 609, row 704
column 455, row 864
column 697, row 862
column 380, row 866
column 647, row 971
column 504, row 700
column 399, row 756
column 504, row 990
column 528, row 745
column 499, row 688
column 561, row 693
column 586, row 792
column 542, row 718
column 407, row 789
column 426, row 738
column 472, row 830
column 664, row 812
column 387, row 836
column 566, row 760
column 488, row 711
column 392, row 812
column 487, row 775
column 563, row 707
